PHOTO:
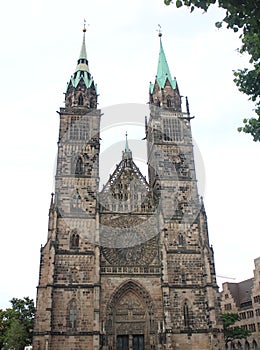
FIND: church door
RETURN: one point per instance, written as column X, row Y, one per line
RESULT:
column 138, row 342
column 122, row 342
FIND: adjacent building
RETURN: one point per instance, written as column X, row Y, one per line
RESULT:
column 243, row 298
column 130, row 266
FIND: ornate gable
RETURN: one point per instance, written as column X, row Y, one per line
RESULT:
column 126, row 191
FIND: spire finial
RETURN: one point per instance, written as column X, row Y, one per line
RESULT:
column 126, row 143
column 127, row 154
column 84, row 28
column 159, row 30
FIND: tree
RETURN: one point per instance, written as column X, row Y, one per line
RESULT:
column 232, row 332
column 16, row 324
column 16, row 335
column 243, row 16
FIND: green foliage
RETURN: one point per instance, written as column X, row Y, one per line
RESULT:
column 242, row 16
column 16, row 324
column 251, row 126
column 16, row 335
column 232, row 332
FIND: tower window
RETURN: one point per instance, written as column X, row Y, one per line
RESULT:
column 80, row 100
column 79, row 170
column 72, row 319
column 172, row 129
column 180, row 239
column 76, row 203
column 186, row 314
column 169, row 102
column 74, row 240
column 74, row 132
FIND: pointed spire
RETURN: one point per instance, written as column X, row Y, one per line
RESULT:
column 127, row 153
column 83, row 51
column 82, row 70
column 163, row 71
column 83, row 61
column 126, row 143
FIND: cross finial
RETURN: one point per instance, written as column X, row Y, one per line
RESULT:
column 84, row 25
column 159, row 30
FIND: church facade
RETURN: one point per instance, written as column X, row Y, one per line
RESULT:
column 131, row 266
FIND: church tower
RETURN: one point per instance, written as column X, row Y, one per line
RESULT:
column 68, row 291
column 130, row 267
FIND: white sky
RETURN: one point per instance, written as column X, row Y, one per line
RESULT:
column 40, row 44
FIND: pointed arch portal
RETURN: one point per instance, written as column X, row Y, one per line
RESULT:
column 129, row 319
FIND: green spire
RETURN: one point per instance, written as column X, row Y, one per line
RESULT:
column 83, row 51
column 82, row 69
column 163, row 71
column 127, row 153
column 83, row 61
column 126, row 143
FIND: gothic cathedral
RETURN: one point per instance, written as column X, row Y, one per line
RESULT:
column 129, row 267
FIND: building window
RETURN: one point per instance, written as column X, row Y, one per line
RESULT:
column 251, row 327
column 255, row 346
column 77, row 203
column 186, row 314
column 172, row 129
column 247, row 346
column 239, row 346
column 250, row 314
column 72, row 317
column 227, row 307
column 257, row 299
column 242, row 316
column 83, row 132
column 180, row 239
column 74, row 240
column 79, row 170
column 226, row 296
column 74, row 131
column 80, row 100
column 169, row 102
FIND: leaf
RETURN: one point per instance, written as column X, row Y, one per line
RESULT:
column 218, row 25
column 178, row 3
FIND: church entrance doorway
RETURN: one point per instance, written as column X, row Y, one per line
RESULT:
column 130, row 342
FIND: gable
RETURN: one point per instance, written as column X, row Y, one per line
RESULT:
column 126, row 191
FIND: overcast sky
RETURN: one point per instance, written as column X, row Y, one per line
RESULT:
column 40, row 44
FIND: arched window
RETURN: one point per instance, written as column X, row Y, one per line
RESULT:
column 239, row 346
column 74, row 131
column 255, row 346
column 180, row 239
column 72, row 315
column 92, row 104
column 247, row 346
column 74, row 240
column 169, row 102
column 183, row 278
column 186, row 314
column 158, row 103
column 79, row 170
column 80, row 100
column 76, row 204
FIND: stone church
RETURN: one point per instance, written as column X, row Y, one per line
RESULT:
column 129, row 267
